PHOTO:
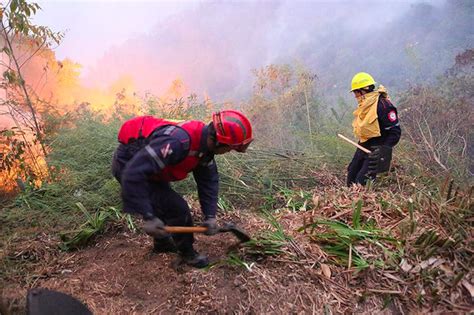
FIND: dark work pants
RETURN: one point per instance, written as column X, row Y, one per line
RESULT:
column 170, row 207
column 357, row 169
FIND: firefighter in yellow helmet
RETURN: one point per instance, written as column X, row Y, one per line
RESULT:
column 376, row 126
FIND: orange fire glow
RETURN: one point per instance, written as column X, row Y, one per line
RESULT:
column 57, row 84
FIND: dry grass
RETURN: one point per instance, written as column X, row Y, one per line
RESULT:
column 399, row 247
column 117, row 275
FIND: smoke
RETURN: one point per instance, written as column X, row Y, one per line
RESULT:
column 212, row 47
column 209, row 48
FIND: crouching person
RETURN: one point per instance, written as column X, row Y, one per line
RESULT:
column 154, row 152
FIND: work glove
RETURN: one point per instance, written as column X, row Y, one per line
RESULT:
column 380, row 159
column 211, row 224
column 374, row 158
column 155, row 227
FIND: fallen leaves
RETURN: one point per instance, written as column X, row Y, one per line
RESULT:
column 326, row 271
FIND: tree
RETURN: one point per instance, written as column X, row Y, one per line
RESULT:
column 20, row 41
column 284, row 97
column 438, row 119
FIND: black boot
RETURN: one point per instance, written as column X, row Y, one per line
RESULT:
column 194, row 259
column 164, row 245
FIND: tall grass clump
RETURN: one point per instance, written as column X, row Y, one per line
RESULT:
column 80, row 160
column 360, row 244
column 95, row 223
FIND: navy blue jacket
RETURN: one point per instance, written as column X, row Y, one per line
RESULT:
column 133, row 167
column 389, row 125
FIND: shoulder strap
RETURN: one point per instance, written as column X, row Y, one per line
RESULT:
column 193, row 153
column 176, row 131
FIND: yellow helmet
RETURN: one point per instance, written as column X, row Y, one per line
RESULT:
column 361, row 80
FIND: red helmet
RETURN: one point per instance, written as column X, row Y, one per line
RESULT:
column 232, row 129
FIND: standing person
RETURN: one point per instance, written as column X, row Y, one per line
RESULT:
column 376, row 126
column 154, row 152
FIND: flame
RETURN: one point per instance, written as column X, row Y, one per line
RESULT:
column 57, row 84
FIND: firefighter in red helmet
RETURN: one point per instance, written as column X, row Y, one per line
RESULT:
column 154, row 152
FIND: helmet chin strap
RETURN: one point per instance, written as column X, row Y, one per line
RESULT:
column 220, row 126
column 220, row 145
column 213, row 136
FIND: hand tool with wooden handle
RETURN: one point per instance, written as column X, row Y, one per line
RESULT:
column 228, row 227
column 354, row 144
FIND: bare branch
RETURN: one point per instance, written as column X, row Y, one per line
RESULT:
column 464, row 149
column 434, row 153
column 26, row 94
column 34, row 53
column 6, row 66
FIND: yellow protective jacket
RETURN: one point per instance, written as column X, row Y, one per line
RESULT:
column 365, row 121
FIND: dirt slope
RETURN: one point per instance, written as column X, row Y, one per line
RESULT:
column 118, row 275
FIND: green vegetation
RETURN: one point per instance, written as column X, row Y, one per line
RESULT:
column 268, row 242
column 95, row 224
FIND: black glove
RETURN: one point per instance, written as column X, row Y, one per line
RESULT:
column 374, row 158
column 155, row 227
column 211, row 224
column 380, row 159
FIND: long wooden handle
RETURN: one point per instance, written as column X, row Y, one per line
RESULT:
column 185, row 229
column 354, row 144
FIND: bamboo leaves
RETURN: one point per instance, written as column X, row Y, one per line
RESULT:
column 359, row 245
column 356, row 216
column 95, row 224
